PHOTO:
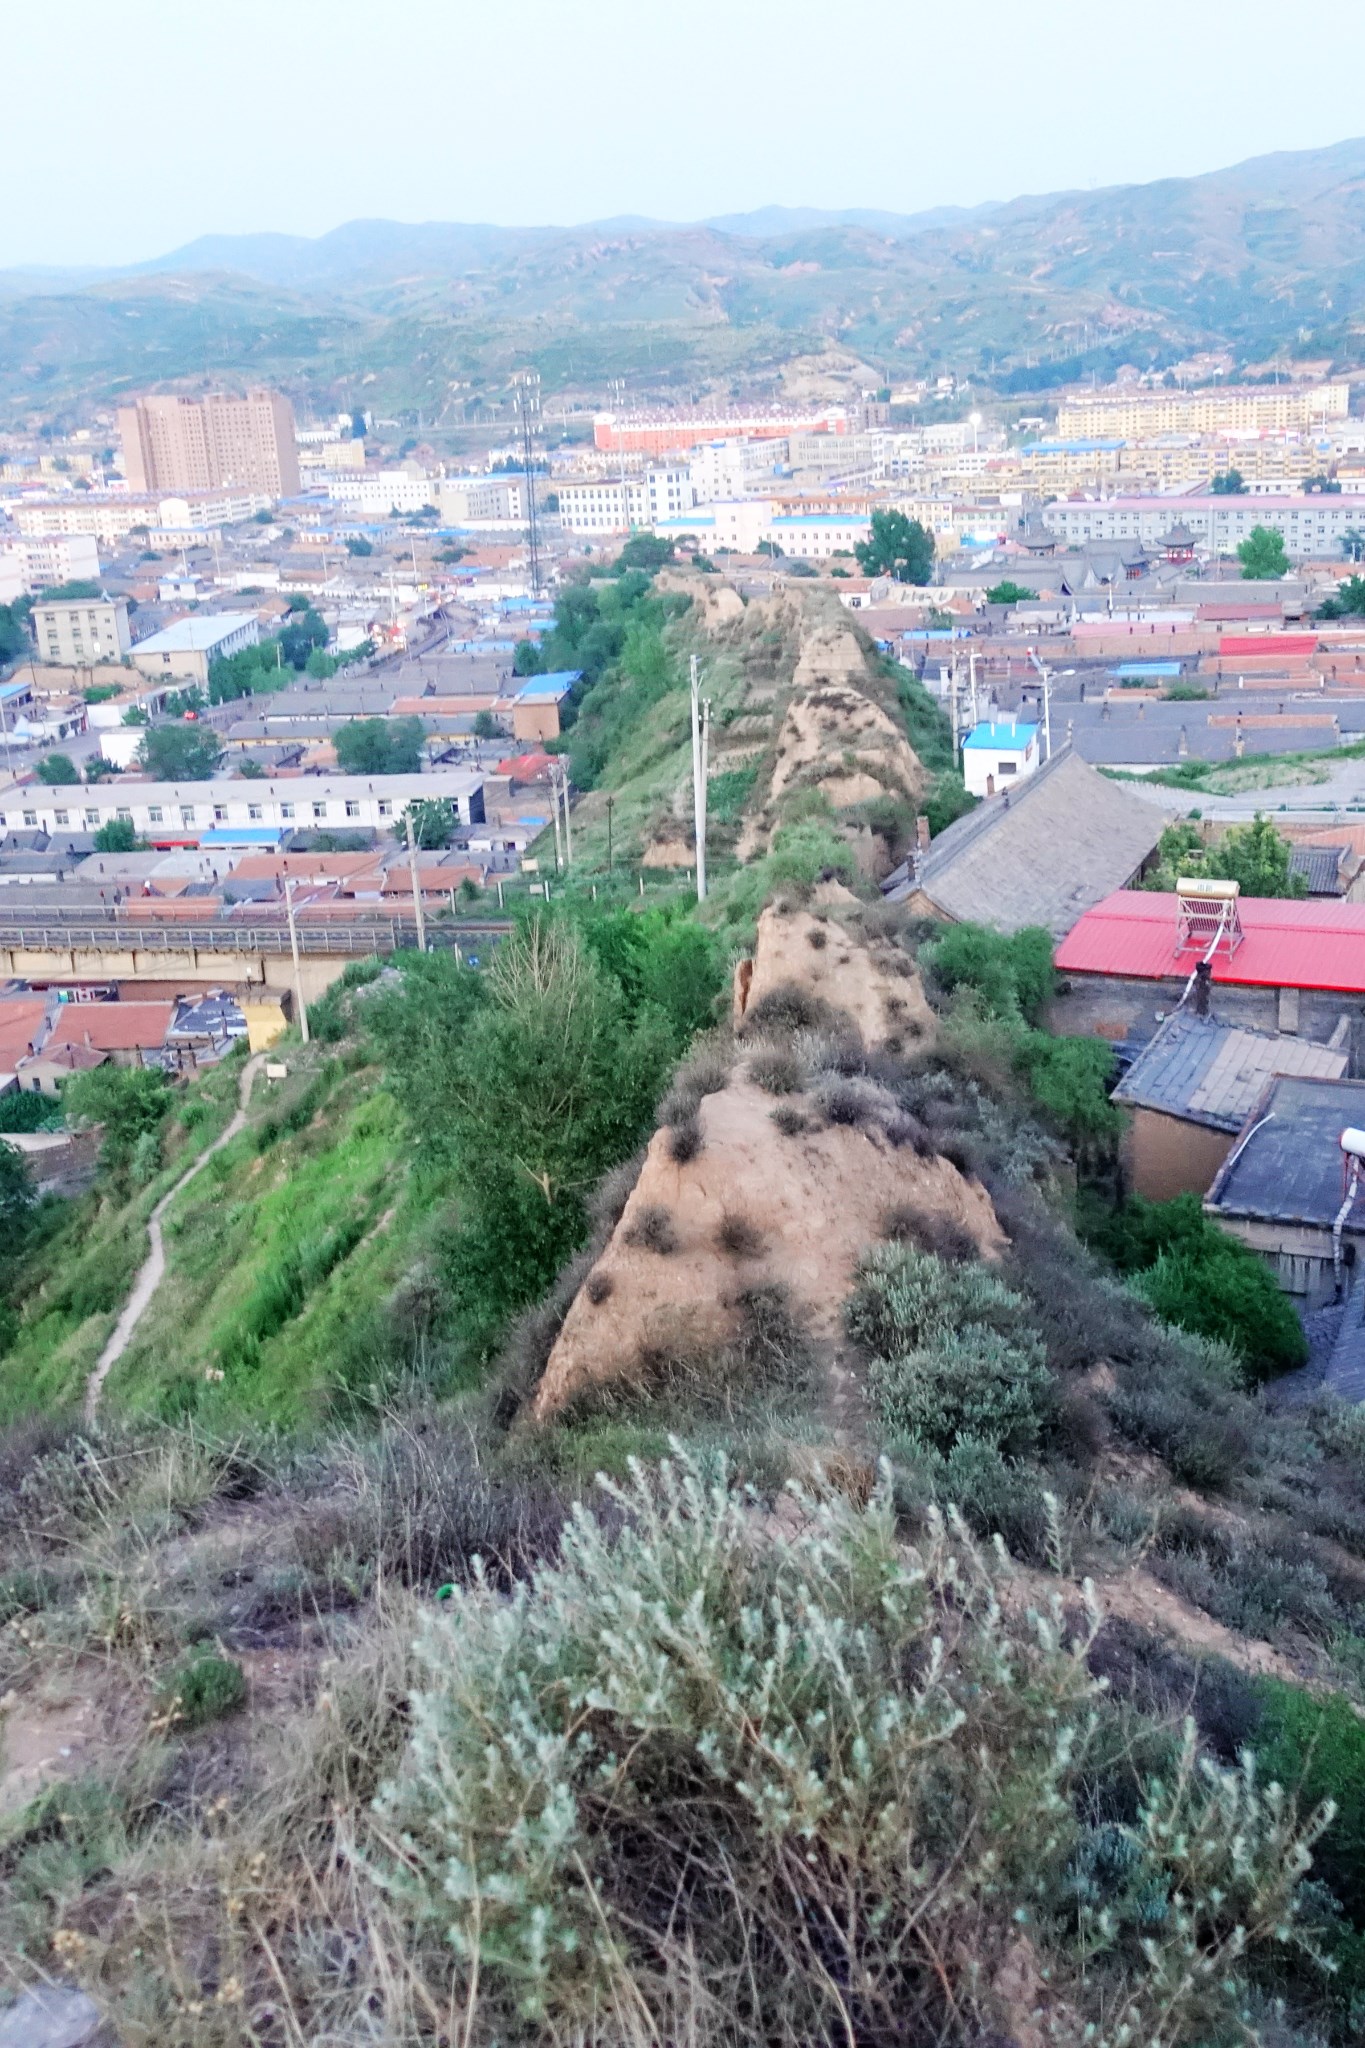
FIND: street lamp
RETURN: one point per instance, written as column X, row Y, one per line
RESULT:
column 975, row 421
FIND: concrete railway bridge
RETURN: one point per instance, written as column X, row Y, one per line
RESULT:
column 58, row 951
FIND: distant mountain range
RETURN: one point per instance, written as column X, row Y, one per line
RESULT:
column 1266, row 256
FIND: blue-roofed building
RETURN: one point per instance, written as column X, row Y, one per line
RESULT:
column 535, row 708
column 998, row 753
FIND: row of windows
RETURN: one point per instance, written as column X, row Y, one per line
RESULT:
column 156, row 814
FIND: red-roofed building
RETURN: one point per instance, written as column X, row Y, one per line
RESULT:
column 126, row 1031
column 1299, row 966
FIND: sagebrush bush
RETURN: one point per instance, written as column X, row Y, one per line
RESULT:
column 651, row 1230
column 970, row 1383
column 777, row 1069
column 790, row 1120
column 738, row 1235
column 203, row 1689
column 678, row 1775
column 685, row 1141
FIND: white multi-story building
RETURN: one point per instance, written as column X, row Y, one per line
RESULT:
column 610, row 505
column 197, row 813
column 1312, row 524
column 815, row 536
column 473, row 500
column 78, row 632
column 727, row 469
column 112, row 518
column 188, row 647
column 376, row 493
column 28, row 566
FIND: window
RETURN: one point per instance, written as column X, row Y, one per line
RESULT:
column 124, row 813
column 1007, row 768
column 385, row 807
column 30, row 817
column 255, row 813
column 352, row 808
column 187, row 814
column 220, row 816
column 319, row 810
column 286, row 810
column 154, row 814
column 58, row 818
column 92, row 817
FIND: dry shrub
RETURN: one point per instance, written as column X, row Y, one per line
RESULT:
column 818, row 937
column 905, row 1129
column 705, row 1072
column 777, row 1069
column 931, row 1230
column 790, row 1120
column 652, row 1230
column 685, row 1141
column 852, row 1102
column 789, row 1007
column 607, row 1202
column 598, row 1286
column 739, row 1235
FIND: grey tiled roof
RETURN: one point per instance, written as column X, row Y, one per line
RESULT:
column 1211, row 1073
column 1321, row 867
column 1287, row 1166
column 1042, row 854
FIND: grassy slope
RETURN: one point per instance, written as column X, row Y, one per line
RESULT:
column 278, row 1262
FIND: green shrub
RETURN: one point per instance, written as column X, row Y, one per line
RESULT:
column 971, row 1383
column 906, row 1298
column 1314, row 1745
column 203, row 1689
column 1011, row 976
column 678, row 1773
column 30, row 1112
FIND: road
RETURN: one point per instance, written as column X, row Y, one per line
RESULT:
column 1341, row 791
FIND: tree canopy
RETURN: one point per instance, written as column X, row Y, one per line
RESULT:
column 1228, row 483
column 1262, row 554
column 1348, row 602
column 58, row 768
column 180, row 753
column 1255, row 855
column 380, row 746
column 1010, row 593
column 897, row 547
column 433, row 822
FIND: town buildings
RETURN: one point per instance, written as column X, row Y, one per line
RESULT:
column 188, row 648
column 240, row 810
column 28, row 566
column 81, row 631
column 1138, row 415
column 174, row 443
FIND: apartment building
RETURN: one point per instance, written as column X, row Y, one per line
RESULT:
column 472, row 500
column 611, row 505
column 727, row 469
column 211, row 813
column 78, row 632
column 664, row 433
column 187, row 648
column 814, row 537
column 1140, row 415
column 202, row 444
column 111, row 519
column 28, row 566
column 376, row 493
column 329, row 457
column 1312, row 526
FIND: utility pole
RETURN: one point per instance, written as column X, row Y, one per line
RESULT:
column 294, row 949
column 528, row 386
column 416, row 887
column 1047, row 712
column 568, row 828
column 700, row 722
column 610, row 801
column 554, row 807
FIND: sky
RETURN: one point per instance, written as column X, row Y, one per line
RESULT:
column 190, row 117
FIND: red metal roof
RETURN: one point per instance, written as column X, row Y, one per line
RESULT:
column 1282, row 644
column 112, row 1027
column 1285, row 944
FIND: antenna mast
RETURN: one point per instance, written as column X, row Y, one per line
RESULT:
column 528, row 391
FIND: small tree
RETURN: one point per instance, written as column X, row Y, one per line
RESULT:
column 1262, row 554
column 526, row 659
column 16, row 1189
column 116, row 835
column 433, row 823
column 1228, row 484
column 645, row 551
column 897, row 547
column 128, row 1101
column 1010, row 593
column 58, row 768
column 485, row 726
column 357, row 544
column 180, row 753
